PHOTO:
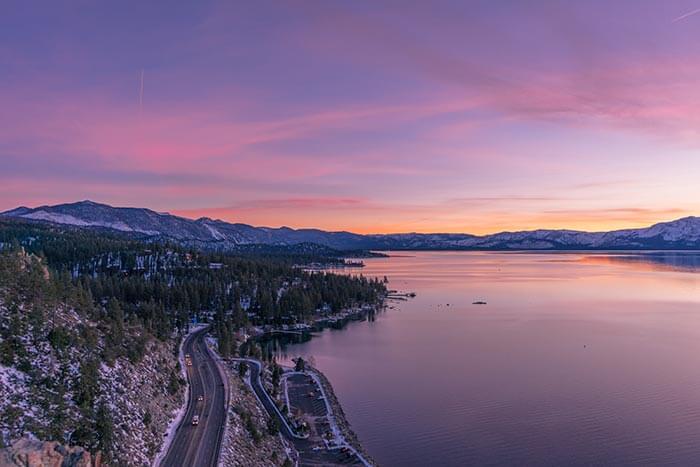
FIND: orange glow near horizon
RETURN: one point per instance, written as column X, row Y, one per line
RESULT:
column 372, row 223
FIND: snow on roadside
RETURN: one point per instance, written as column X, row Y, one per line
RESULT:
column 180, row 413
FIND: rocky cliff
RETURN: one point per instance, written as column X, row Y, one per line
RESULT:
column 28, row 452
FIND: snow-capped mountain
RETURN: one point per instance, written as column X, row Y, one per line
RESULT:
column 679, row 234
column 145, row 222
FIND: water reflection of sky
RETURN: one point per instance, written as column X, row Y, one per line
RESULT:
column 578, row 358
column 657, row 260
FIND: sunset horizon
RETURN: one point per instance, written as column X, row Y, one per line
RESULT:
column 504, row 117
column 398, row 233
column 231, row 215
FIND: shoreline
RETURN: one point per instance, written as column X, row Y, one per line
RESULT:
column 339, row 415
column 319, row 323
column 336, row 414
column 340, row 321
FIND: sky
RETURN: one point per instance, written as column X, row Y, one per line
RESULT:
column 368, row 116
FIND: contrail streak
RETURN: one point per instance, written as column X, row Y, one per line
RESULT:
column 682, row 17
column 141, row 92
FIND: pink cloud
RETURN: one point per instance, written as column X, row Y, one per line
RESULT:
column 465, row 125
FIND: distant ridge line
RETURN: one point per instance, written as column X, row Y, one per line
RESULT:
column 683, row 233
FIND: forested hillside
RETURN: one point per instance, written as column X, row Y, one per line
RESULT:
column 90, row 324
column 164, row 286
column 79, row 373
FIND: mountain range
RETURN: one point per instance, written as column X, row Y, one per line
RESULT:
column 217, row 234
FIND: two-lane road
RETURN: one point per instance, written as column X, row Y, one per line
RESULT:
column 199, row 445
column 255, row 367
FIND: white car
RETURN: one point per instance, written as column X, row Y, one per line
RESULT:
column 195, row 420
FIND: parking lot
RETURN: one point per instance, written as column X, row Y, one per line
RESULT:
column 306, row 400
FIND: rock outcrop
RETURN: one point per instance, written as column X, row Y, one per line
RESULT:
column 27, row 452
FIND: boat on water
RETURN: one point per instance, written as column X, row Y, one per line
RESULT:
column 479, row 302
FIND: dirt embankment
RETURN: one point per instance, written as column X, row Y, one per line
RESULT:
column 248, row 440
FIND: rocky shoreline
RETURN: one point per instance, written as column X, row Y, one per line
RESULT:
column 238, row 444
column 339, row 415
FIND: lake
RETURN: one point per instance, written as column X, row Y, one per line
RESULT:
column 576, row 359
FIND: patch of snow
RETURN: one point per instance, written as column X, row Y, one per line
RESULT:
column 215, row 233
column 55, row 217
column 10, row 376
column 58, row 218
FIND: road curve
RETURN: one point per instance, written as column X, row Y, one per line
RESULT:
column 199, row 445
column 309, row 452
column 255, row 372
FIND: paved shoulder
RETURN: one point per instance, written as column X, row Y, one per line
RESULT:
column 197, row 441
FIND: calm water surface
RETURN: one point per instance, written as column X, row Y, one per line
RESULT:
column 577, row 359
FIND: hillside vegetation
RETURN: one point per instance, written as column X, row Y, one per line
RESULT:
column 79, row 373
column 90, row 324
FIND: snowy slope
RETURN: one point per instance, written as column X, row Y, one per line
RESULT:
column 43, row 375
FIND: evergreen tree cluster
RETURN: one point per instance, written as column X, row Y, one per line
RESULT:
column 127, row 291
column 163, row 287
column 33, row 324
